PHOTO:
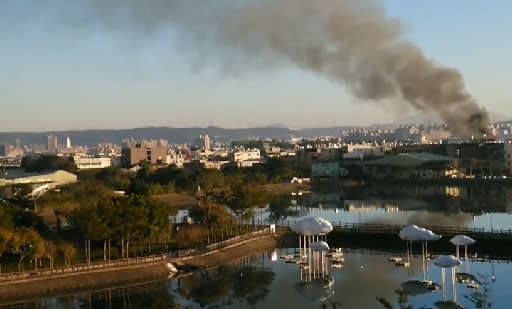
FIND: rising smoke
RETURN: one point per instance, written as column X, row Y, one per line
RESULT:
column 353, row 43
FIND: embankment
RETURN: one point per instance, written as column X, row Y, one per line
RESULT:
column 46, row 287
column 218, row 257
column 80, row 282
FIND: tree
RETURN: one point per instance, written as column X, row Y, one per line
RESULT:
column 210, row 180
column 133, row 221
column 28, row 243
column 69, row 252
column 280, row 169
column 210, row 214
column 88, row 220
column 6, row 243
column 48, row 162
column 245, row 198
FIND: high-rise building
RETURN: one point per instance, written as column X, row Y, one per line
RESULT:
column 68, row 142
column 202, row 142
column 154, row 153
column 207, row 142
column 53, row 145
column 5, row 149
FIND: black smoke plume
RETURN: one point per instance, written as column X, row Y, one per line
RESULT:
column 353, row 43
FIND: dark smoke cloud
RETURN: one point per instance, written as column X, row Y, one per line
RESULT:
column 353, row 43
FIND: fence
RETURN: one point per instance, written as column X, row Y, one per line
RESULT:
column 84, row 267
column 390, row 228
column 220, row 244
column 79, row 267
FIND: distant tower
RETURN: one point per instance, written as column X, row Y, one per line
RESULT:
column 207, row 142
column 68, row 142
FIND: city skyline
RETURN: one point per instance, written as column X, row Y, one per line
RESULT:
column 78, row 78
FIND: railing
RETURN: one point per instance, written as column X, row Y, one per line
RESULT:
column 10, row 277
column 390, row 228
column 79, row 267
column 220, row 244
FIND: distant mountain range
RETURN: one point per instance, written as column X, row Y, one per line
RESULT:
column 174, row 135
column 185, row 135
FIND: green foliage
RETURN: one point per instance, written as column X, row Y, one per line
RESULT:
column 210, row 180
column 245, row 198
column 280, row 169
column 279, row 207
column 7, row 214
column 48, row 162
column 210, row 214
column 112, row 177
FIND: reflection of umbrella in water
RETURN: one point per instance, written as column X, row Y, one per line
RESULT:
column 316, row 289
column 447, row 261
column 462, row 240
column 448, row 304
column 319, row 258
column 467, row 278
column 417, row 287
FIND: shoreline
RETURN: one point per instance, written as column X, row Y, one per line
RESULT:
column 39, row 288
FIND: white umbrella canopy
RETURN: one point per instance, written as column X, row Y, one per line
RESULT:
column 462, row 240
column 312, row 226
column 415, row 233
column 446, row 261
column 320, row 246
column 410, row 232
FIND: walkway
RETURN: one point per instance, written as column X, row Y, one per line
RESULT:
column 175, row 256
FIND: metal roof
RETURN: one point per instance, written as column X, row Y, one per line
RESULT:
column 411, row 159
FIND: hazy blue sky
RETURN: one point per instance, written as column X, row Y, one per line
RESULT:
column 56, row 77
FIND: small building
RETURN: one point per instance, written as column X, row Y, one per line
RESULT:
column 245, row 155
column 175, row 158
column 83, row 163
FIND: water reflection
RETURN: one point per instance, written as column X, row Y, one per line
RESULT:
column 230, row 284
column 484, row 206
column 368, row 280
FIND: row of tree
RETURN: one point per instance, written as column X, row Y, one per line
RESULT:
column 19, row 237
column 122, row 220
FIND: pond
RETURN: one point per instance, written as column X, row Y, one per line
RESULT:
column 268, row 281
column 487, row 207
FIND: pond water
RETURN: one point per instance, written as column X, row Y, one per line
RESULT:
column 487, row 207
column 268, row 281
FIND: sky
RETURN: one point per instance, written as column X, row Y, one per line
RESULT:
column 54, row 76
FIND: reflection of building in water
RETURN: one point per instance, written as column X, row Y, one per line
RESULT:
column 391, row 208
column 452, row 191
column 361, row 206
column 327, row 199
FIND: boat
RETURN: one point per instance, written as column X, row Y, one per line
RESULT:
column 395, row 259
